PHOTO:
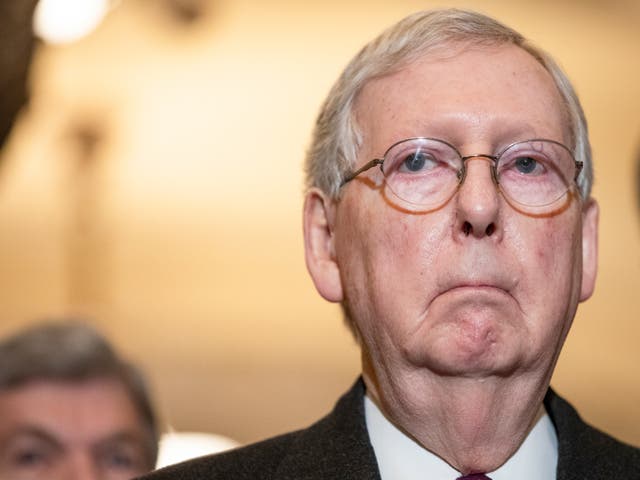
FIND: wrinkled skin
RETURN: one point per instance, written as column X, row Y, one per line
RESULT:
column 461, row 311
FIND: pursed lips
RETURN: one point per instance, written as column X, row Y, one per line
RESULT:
column 476, row 290
column 475, row 286
column 494, row 283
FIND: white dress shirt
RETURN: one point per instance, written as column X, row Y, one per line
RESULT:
column 401, row 458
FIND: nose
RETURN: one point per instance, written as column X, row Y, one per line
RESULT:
column 477, row 200
column 82, row 467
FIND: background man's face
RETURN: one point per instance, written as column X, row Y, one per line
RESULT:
column 53, row 430
column 423, row 292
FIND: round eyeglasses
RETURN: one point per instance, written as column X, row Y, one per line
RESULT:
column 425, row 172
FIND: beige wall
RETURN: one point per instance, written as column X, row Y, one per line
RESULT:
column 155, row 186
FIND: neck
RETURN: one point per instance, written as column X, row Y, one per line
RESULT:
column 474, row 424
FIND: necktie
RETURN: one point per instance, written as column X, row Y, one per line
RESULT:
column 475, row 476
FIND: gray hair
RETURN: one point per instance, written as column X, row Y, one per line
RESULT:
column 336, row 139
column 72, row 351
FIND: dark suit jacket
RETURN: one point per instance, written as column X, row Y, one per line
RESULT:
column 337, row 447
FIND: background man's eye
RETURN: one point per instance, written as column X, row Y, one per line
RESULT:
column 29, row 458
column 525, row 164
column 120, row 460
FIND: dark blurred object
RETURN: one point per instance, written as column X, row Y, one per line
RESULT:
column 186, row 11
column 16, row 49
column 183, row 14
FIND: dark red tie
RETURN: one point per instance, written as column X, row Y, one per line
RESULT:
column 475, row 476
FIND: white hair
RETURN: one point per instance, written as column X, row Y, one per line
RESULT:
column 336, row 138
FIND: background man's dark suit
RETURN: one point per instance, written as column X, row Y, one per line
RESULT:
column 337, row 447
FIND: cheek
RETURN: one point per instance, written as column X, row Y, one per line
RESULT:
column 391, row 265
column 408, row 250
column 547, row 247
column 549, row 252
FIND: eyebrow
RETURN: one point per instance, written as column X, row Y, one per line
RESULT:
column 45, row 436
column 121, row 436
column 449, row 129
column 33, row 431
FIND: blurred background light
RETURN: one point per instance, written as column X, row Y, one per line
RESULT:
column 175, row 447
column 65, row 21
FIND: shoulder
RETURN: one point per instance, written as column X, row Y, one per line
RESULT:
column 336, row 444
column 586, row 452
column 241, row 463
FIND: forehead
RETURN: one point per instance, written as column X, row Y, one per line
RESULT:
column 71, row 412
column 468, row 95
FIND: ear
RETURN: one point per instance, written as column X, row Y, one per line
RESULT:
column 590, row 215
column 319, row 248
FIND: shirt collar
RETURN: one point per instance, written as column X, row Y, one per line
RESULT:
column 401, row 457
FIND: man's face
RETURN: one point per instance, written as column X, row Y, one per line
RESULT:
column 53, row 430
column 474, row 288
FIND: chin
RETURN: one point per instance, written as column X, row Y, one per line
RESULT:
column 470, row 339
column 462, row 355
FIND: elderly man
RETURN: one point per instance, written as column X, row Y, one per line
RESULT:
column 70, row 409
column 448, row 210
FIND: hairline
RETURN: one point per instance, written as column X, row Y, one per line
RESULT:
column 327, row 176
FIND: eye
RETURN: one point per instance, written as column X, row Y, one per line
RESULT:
column 119, row 460
column 29, row 458
column 123, row 457
column 526, row 165
column 417, row 161
column 421, row 160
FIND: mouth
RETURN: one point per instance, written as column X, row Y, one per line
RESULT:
column 488, row 286
column 475, row 287
column 486, row 294
column 476, row 295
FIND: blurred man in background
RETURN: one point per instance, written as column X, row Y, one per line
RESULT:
column 71, row 409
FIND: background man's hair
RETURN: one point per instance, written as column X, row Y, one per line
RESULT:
column 71, row 351
column 336, row 138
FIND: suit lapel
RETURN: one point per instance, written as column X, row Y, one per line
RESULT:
column 585, row 453
column 335, row 448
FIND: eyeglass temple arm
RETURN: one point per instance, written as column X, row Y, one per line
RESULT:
column 364, row 168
